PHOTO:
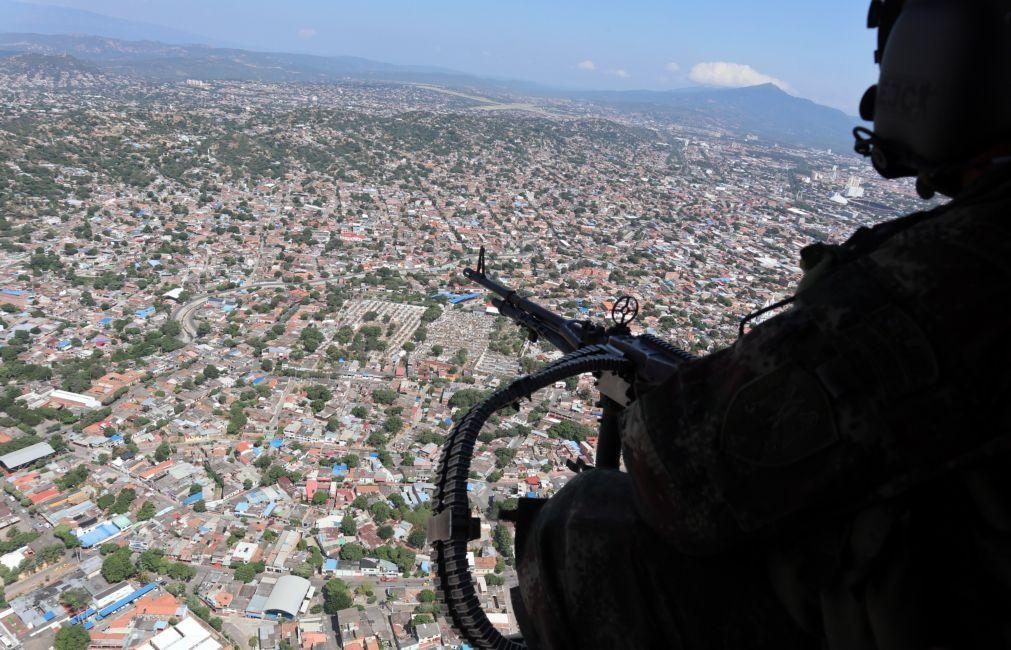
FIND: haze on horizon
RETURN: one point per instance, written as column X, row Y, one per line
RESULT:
column 820, row 51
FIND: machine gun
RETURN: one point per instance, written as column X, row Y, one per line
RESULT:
column 618, row 359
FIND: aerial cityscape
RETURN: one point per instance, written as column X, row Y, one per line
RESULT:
column 234, row 329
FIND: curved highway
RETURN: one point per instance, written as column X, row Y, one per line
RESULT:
column 184, row 313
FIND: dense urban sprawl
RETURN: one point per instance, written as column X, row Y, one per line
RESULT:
column 234, row 334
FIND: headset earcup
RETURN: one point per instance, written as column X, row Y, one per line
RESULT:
column 867, row 103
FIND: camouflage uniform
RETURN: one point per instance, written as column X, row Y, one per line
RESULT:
column 836, row 479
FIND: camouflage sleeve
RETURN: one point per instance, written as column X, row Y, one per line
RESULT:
column 889, row 369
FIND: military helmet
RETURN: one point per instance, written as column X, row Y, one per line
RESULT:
column 943, row 99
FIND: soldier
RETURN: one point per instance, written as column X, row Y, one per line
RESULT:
column 838, row 477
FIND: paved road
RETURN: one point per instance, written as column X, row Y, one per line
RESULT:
column 50, row 574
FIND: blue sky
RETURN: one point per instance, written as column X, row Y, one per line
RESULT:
column 818, row 50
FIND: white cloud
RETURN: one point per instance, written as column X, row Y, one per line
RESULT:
column 587, row 65
column 306, row 33
column 732, row 75
column 622, row 74
column 672, row 67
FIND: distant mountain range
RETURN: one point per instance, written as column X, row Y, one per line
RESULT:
column 35, row 18
column 764, row 111
column 157, row 61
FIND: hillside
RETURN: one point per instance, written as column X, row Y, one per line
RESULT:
column 764, row 111
column 48, row 69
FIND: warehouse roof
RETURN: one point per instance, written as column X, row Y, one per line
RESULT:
column 29, row 454
column 287, row 595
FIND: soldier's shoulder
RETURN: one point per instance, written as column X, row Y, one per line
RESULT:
column 975, row 227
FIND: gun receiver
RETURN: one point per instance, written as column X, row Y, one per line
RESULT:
column 565, row 334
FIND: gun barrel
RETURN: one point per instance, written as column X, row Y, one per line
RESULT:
column 510, row 296
column 547, row 324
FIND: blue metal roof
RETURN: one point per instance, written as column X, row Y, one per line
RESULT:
column 193, row 498
column 455, row 299
column 99, row 535
column 83, row 615
column 123, row 602
column 465, row 297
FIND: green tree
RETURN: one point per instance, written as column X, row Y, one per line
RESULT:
column 426, row 596
column 75, row 599
column 380, row 511
column 108, row 548
column 245, row 573
column 62, row 531
column 503, row 541
column 348, row 525
column 466, row 398
column 319, row 497
column 311, row 338
column 123, row 500
column 352, row 551
column 179, row 571
column 72, row 637
column 384, row 395
column 570, row 431
column 170, row 328
column 417, row 538
column 51, row 554
column 146, row 511
column 385, row 532
column 151, row 560
column 162, row 453
column 393, row 424
column 118, row 567
column 336, row 596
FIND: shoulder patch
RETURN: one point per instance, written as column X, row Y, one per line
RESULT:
column 778, row 419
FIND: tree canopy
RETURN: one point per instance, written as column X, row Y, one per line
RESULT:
column 72, row 637
column 336, row 596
